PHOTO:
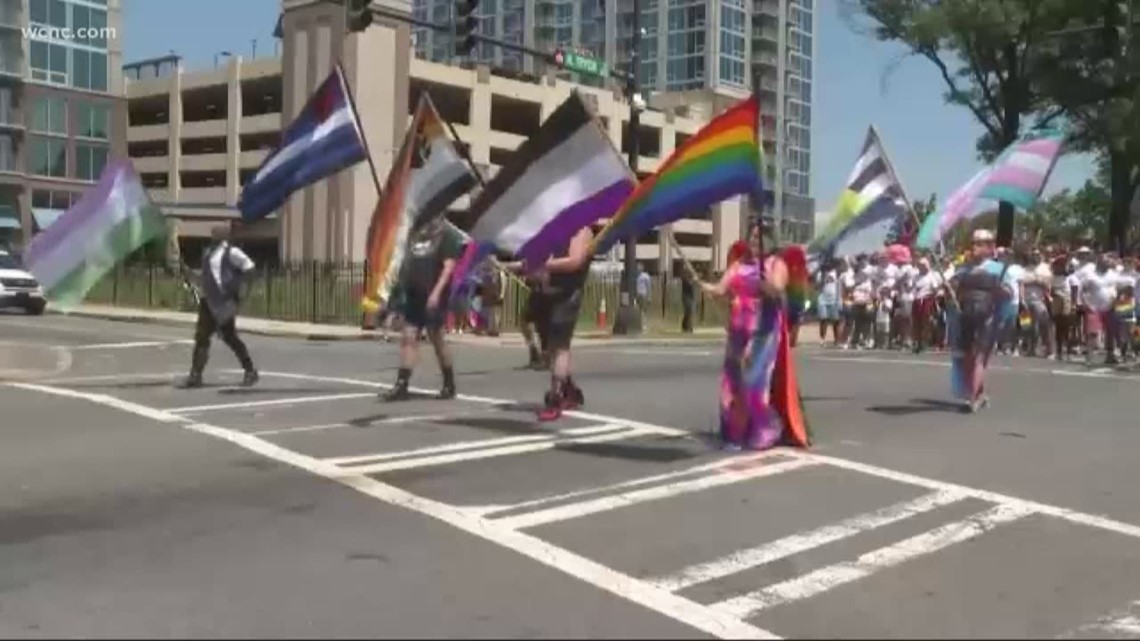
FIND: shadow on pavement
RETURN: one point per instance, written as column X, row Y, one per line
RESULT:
column 918, row 406
column 625, row 452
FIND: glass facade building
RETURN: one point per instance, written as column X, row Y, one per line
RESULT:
column 59, row 101
column 718, row 46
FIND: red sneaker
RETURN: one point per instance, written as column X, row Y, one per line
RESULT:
column 552, row 407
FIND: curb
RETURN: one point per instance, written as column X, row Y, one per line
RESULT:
column 593, row 338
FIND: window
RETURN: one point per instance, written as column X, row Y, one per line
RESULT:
column 48, row 157
column 49, row 115
column 48, row 62
column 92, row 120
column 90, row 70
column 89, row 161
column 7, row 153
column 52, row 199
column 49, row 13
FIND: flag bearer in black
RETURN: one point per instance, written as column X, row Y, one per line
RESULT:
column 431, row 256
column 565, row 277
column 223, row 270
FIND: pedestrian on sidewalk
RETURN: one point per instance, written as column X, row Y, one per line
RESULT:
column 432, row 254
column 688, row 302
column 533, row 320
column 223, row 270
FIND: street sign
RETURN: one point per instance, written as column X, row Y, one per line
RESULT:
column 579, row 63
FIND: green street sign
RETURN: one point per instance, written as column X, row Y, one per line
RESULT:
column 578, row 63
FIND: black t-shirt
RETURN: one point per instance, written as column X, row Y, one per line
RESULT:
column 424, row 261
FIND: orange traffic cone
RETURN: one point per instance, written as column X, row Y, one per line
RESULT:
column 602, row 314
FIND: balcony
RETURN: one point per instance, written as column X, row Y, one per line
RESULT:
column 765, row 58
column 9, row 164
column 11, row 118
column 767, row 8
column 12, row 66
column 766, row 33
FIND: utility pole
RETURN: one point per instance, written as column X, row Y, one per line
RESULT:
column 628, row 318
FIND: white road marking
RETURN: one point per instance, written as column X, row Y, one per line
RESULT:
column 269, row 403
column 395, row 420
column 8, row 356
column 1124, row 623
column 625, row 499
column 1101, row 373
column 125, row 345
column 824, row 579
column 472, row 445
column 1073, row 516
column 695, row 615
column 126, row 376
column 654, row 352
column 1082, row 518
column 492, row 510
column 587, row 416
column 613, row 432
column 802, row 542
column 105, row 400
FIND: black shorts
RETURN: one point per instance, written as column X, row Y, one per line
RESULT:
column 535, row 310
column 563, row 319
column 416, row 313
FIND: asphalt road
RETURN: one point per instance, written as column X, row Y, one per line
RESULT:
column 305, row 507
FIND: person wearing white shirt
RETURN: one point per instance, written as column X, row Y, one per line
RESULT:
column 927, row 286
column 1036, row 285
column 223, row 269
column 904, row 309
column 828, row 302
column 846, row 307
column 862, row 301
column 1098, row 294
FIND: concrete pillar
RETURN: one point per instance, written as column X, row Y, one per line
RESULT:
column 233, row 131
column 481, row 115
column 174, row 142
column 329, row 220
column 668, row 144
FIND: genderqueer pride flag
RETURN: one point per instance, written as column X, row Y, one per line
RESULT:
column 113, row 218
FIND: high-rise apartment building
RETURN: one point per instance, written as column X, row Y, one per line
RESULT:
column 61, row 108
column 692, row 51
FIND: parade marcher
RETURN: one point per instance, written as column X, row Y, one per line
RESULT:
column 828, row 302
column 688, row 302
column 223, row 269
column 565, row 277
column 982, row 289
column 1098, row 295
column 1062, row 308
column 426, row 276
column 494, row 286
column 1037, row 285
column 532, row 322
column 927, row 288
column 759, row 398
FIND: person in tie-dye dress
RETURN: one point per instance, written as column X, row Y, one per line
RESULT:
column 759, row 396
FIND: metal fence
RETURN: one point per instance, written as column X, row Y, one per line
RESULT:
column 331, row 293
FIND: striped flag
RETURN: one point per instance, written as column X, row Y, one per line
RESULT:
column 1020, row 173
column 114, row 218
column 427, row 177
column 325, row 138
column 871, row 207
column 961, row 205
column 565, row 177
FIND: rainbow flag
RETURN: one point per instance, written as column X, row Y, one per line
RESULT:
column 724, row 159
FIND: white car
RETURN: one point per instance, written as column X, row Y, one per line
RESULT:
column 18, row 288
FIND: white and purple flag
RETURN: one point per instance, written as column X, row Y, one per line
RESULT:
column 1020, row 173
column 565, row 177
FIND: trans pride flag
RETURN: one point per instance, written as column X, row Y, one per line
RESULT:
column 1018, row 176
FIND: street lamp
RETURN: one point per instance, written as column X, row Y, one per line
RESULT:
column 628, row 319
column 221, row 54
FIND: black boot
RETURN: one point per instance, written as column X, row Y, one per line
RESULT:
column 447, row 392
column 572, row 395
column 251, row 377
column 198, row 361
column 400, row 391
column 535, row 361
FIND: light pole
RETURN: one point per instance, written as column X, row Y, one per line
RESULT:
column 628, row 319
column 220, row 54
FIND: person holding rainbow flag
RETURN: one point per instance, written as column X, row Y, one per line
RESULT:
column 759, row 396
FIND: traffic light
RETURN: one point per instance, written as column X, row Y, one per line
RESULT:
column 466, row 25
column 357, row 15
column 1117, row 24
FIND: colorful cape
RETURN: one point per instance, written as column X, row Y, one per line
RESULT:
column 785, row 389
column 795, row 257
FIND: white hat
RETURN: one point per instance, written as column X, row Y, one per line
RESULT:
column 983, row 236
column 1084, row 249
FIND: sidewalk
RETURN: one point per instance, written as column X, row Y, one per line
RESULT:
column 321, row 332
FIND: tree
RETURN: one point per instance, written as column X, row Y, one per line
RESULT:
column 985, row 51
column 923, row 210
column 1086, row 71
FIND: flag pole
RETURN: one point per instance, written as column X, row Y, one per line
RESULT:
column 895, row 175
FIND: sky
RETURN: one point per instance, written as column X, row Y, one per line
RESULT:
column 930, row 143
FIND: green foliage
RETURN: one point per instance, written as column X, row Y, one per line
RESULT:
column 983, row 49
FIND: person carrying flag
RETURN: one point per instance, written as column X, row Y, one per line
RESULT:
column 431, row 258
column 223, row 269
